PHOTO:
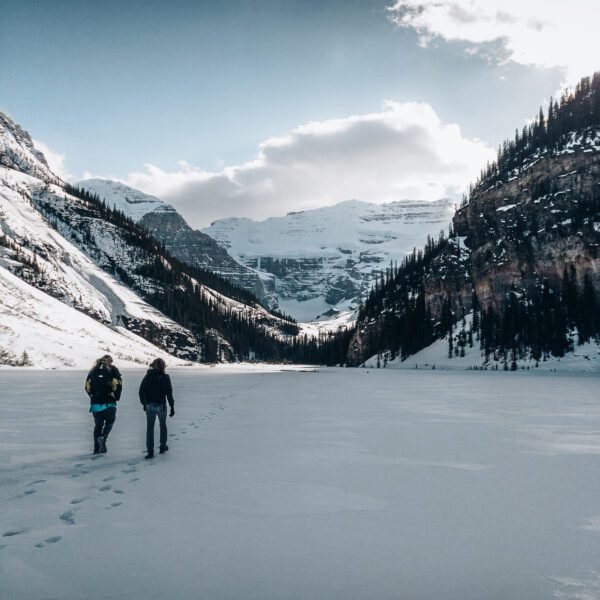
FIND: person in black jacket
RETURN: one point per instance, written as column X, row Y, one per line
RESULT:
column 155, row 391
column 103, row 385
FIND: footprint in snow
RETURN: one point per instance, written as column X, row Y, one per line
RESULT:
column 13, row 532
column 28, row 492
column 135, row 479
column 68, row 517
column 118, row 491
column 110, row 478
column 79, row 500
column 115, row 504
column 130, row 470
column 37, row 481
column 80, row 472
column 105, row 488
column 171, row 435
column 50, row 540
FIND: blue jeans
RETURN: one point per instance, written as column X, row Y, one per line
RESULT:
column 153, row 411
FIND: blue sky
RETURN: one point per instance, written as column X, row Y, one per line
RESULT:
column 130, row 89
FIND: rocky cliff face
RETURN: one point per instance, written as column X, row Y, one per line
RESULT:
column 188, row 245
column 197, row 249
column 535, row 225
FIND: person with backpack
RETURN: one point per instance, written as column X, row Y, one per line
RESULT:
column 155, row 391
column 104, row 386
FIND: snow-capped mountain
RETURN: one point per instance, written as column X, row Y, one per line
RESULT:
column 81, row 279
column 321, row 262
column 168, row 226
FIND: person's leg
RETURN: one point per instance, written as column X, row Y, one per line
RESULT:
column 98, row 424
column 110, row 414
column 150, row 418
column 162, row 420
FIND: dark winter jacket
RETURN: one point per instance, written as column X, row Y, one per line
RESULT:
column 156, row 388
column 104, row 385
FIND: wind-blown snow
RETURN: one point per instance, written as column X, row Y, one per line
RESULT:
column 339, row 484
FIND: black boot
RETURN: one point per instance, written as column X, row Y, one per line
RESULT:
column 163, row 449
column 150, row 454
column 102, row 444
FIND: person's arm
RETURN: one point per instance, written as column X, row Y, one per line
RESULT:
column 169, row 393
column 117, row 384
column 142, row 391
column 88, row 384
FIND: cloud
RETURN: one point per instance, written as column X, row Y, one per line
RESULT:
column 403, row 151
column 548, row 33
column 56, row 161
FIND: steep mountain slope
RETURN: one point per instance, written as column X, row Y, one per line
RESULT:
column 190, row 246
column 39, row 330
column 41, row 257
column 524, row 254
column 321, row 262
column 98, row 261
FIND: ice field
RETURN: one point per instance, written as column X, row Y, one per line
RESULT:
column 330, row 484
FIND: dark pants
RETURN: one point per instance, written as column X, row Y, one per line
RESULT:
column 153, row 411
column 103, row 420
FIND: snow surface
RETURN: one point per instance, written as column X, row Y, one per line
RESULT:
column 338, row 484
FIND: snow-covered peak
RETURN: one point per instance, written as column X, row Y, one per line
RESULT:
column 348, row 227
column 18, row 152
column 132, row 202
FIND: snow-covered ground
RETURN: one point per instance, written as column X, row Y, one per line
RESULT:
column 584, row 358
column 338, row 484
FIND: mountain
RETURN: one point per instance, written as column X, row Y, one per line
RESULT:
column 522, row 260
column 66, row 245
column 319, row 263
column 188, row 245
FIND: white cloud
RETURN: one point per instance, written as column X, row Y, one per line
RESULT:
column 545, row 33
column 56, row 161
column 403, row 151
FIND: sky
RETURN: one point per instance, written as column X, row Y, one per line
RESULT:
column 258, row 108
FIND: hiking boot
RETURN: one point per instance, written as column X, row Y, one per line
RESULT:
column 163, row 449
column 101, row 445
column 150, row 454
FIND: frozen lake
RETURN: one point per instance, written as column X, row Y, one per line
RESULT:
column 337, row 484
